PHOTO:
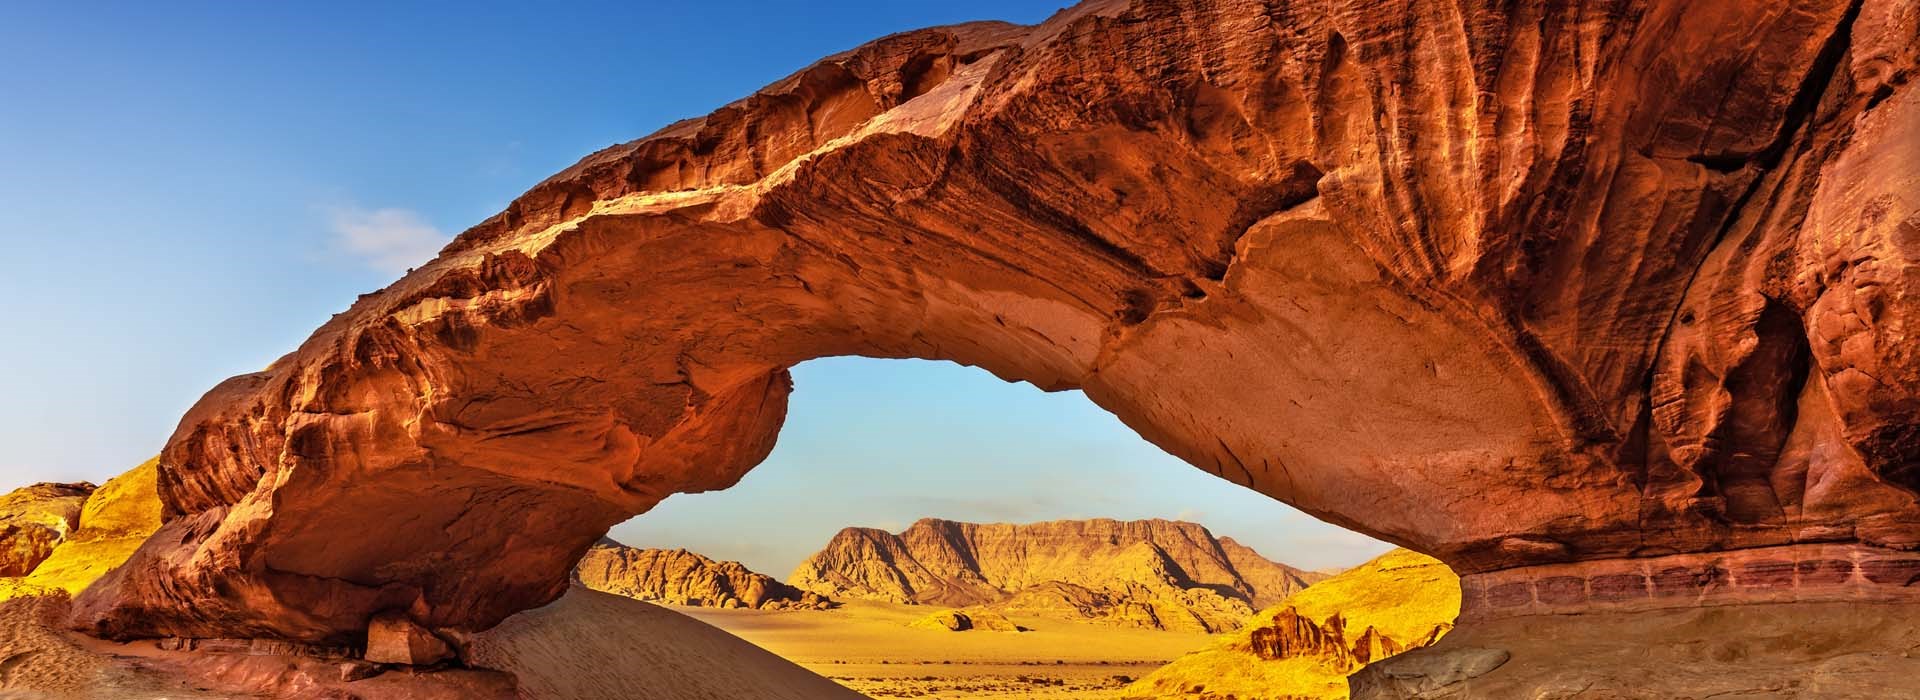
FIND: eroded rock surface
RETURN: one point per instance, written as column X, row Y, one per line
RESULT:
column 1516, row 284
column 114, row 520
column 35, row 519
column 680, row 577
column 966, row 621
column 1156, row 574
column 1306, row 646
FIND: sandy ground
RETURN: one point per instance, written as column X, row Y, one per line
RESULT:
column 586, row 646
column 867, row 646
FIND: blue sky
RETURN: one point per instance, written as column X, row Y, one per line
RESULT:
column 190, row 188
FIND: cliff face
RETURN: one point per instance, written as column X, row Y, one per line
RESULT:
column 680, row 577
column 1145, row 573
column 1306, row 646
column 1521, row 284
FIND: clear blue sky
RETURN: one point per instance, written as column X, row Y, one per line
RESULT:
column 188, row 189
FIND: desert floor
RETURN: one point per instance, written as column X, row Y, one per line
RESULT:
column 867, row 646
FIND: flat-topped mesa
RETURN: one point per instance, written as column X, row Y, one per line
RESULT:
column 1158, row 574
column 1513, row 284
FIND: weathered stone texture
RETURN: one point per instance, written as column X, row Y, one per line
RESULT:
column 1514, row 284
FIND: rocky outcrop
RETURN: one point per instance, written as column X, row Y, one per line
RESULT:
column 965, row 621
column 1517, row 284
column 1306, row 646
column 113, row 521
column 585, row 645
column 680, row 577
column 35, row 519
column 1156, row 574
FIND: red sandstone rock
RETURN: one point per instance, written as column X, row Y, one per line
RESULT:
column 1514, row 283
column 394, row 639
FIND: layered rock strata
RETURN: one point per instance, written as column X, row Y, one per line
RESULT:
column 1516, row 284
column 1156, row 574
column 680, row 577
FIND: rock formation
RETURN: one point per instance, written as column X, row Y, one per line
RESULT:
column 115, row 519
column 1146, row 573
column 1545, row 289
column 1306, row 646
column 966, row 621
column 35, row 519
column 680, row 577
column 585, row 645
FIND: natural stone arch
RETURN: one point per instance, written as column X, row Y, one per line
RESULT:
column 1505, row 286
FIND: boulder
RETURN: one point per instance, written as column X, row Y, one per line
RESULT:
column 965, row 620
column 393, row 638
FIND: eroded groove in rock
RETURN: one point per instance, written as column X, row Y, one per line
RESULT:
column 1520, row 285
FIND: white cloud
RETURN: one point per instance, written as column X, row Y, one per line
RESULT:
column 389, row 240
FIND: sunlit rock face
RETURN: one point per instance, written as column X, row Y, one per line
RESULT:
column 36, row 519
column 1306, row 646
column 113, row 522
column 680, row 577
column 1155, row 574
column 1513, row 284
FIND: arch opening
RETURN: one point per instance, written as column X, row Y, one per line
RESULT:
column 883, row 443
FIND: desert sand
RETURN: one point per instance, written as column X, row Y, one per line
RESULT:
column 586, row 646
column 869, row 646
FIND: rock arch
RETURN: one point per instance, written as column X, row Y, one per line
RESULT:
column 1549, row 290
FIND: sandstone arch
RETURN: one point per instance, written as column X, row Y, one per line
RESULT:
column 1544, row 289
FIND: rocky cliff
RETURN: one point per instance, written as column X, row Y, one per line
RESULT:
column 1146, row 573
column 1547, row 289
column 680, row 577
column 1306, row 646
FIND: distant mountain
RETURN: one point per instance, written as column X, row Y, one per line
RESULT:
column 680, row 577
column 1306, row 646
column 1157, row 574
